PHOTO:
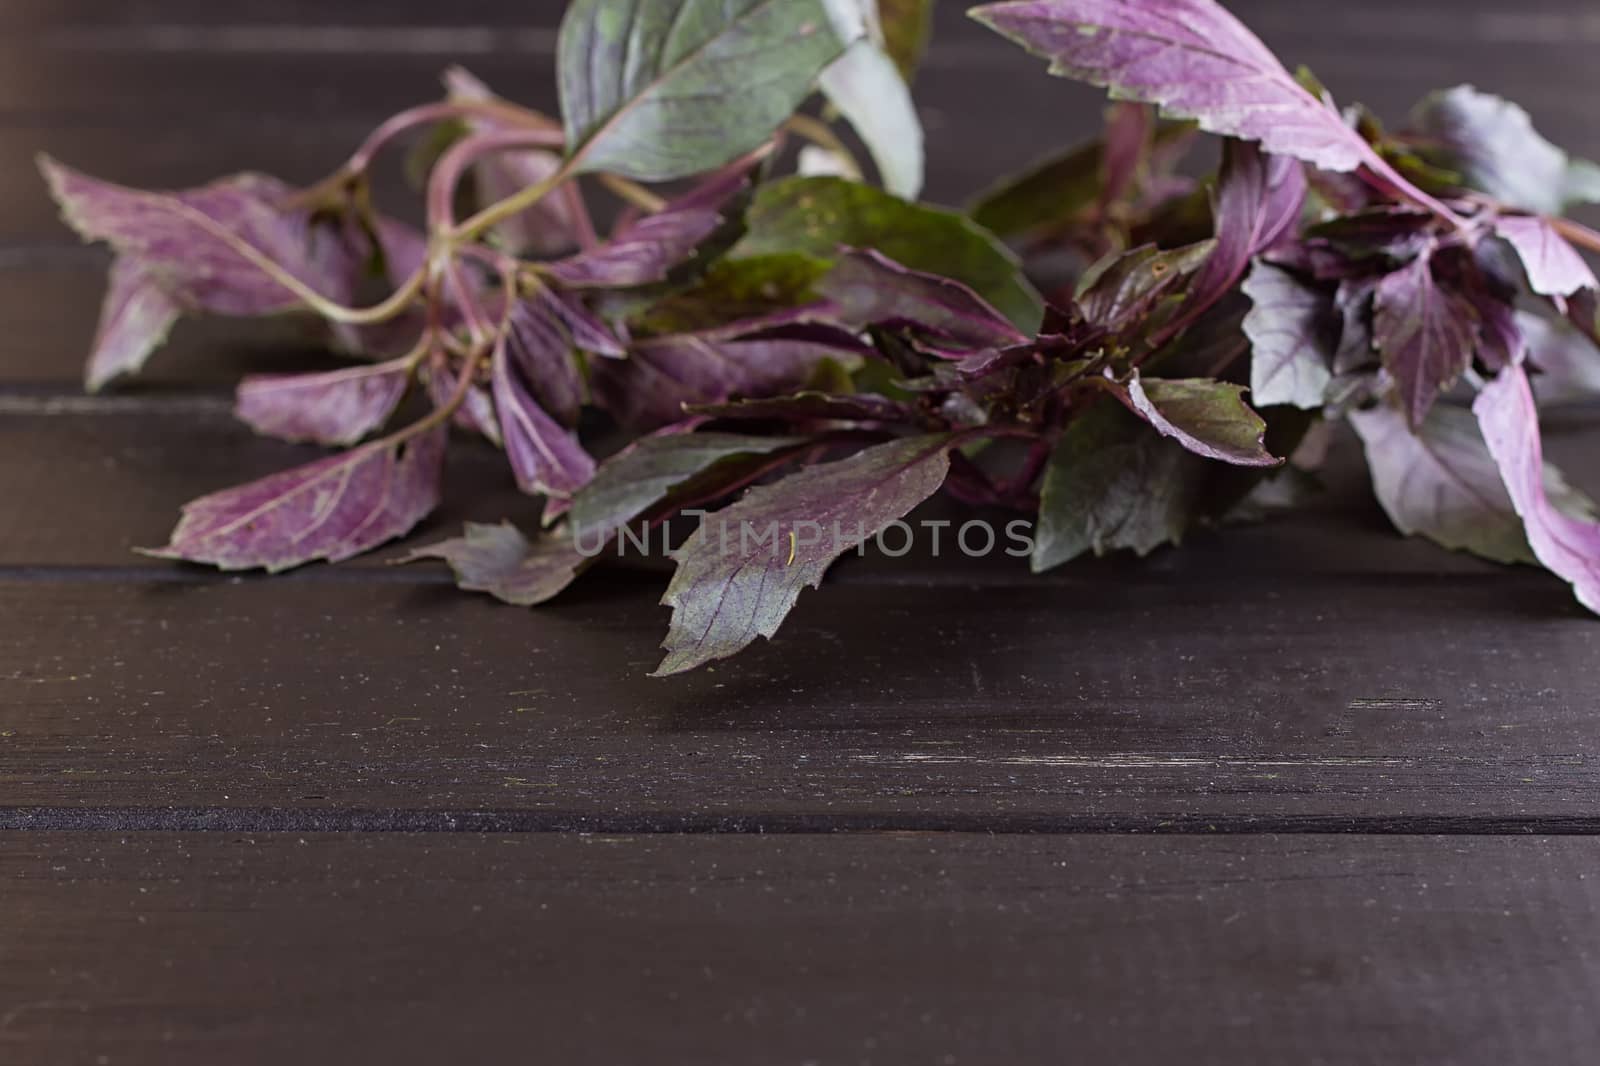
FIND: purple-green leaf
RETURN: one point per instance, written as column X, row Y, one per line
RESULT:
column 1440, row 482
column 1132, row 157
column 332, row 509
column 1568, row 545
column 501, row 561
column 1492, row 143
column 656, row 468
column 337, row 408
column 542, row 355
column 663, row 89
column 1196, row 61
column 545, row 331
column 548, row 227
column 870, row 289
column 1208, row 418
column 1292, row 331
column 138, row 314
column 663, row 375
column 1567, row 359
column 818, row 216
column 1554, row 267
column 637, row 481
column 475, row 414
column 1112, row 484
column 1119, row 290
column 1258, row 200
column 1398, row 234
column 583, row 327
column 734, row 289
column 1425, row 332
column 182, row 250
column 645, row 251
column 741, row 572
column 546, row 457
column 1485, row 276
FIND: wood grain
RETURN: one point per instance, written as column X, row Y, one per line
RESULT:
column 49, row 306
column 140, row 457
column 1152, row 703
column 179, row 949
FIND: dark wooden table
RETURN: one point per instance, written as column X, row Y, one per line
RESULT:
column 1302, row 793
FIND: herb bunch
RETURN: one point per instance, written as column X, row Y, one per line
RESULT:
column 815, row 351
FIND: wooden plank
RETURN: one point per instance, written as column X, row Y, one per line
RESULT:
column 1470, row 18
column 364, row 80
column 140, row 456
column 145, row 72
column 1165, row 699
column 49, row 307
column 179, row 949
column 294, row 56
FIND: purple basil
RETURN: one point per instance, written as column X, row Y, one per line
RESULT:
column 546, row 228
column 545, row 455
column 724, row 599
column 1209, row 418
column 1196, row 61
column 338, row 407
column 869, row 289
column 1425, row 332
column 1567, row 544
column 501, row 561
column 646, row 251
column 1554, row 267
column 1258, row 200
column 663, row 376
column 332, row 509
column 182, row 250
column 809, row 359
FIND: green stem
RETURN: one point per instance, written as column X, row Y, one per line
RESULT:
column 821, row 134
column 1576, row 233
column 329, row 309
column 449, row 171
column 510, row 207
column 441, row 415
column 633, row 193
column 361, row 159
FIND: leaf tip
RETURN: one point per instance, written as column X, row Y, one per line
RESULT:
column 984, row 15
column 57, row 176
column 45, row 162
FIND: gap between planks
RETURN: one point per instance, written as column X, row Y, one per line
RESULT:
column 359, row 820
